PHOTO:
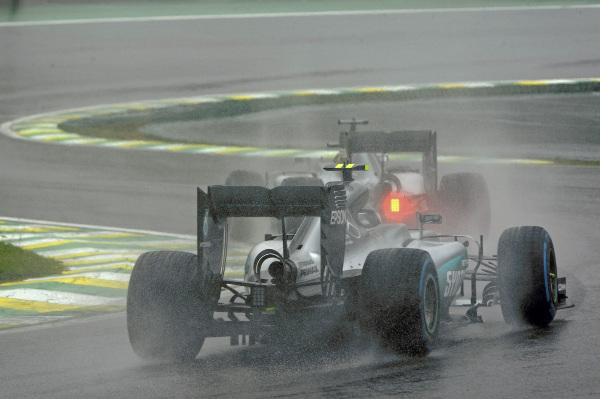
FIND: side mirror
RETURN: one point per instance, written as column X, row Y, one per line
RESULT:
column 368, row 218
column 430, row 219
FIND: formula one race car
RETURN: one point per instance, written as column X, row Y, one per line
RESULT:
column 341, row 273
column 396, row 191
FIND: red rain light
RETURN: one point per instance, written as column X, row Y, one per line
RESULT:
column 397, row 208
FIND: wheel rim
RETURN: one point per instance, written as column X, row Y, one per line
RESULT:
column 553, row 283
column 430, row 305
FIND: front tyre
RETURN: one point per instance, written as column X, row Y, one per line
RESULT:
column 399, row 300
column 166, row 317
column 527, row 276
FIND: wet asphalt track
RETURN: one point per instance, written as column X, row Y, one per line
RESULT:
column 47, row 71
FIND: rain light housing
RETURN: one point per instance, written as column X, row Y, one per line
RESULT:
column 397, row 207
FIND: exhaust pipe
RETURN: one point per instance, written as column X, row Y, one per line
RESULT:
column 284, row 272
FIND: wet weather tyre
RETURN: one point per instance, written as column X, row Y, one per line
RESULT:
column 399, row 300
column 464, row 202
column 527, row 276
column 244, row 229
column 166, row 317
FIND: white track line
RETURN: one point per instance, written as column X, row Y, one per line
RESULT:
column 296, row 15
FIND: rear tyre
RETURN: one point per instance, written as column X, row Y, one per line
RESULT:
column 464, row 202
column 399, row 301
column 166, row 316
column 244, row 229
column 527, row 276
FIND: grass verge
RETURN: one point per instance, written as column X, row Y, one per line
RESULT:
column 18, row 264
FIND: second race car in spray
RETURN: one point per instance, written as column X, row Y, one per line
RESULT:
column 396, row 190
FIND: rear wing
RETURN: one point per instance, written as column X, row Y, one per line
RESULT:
column 221, row 202
column 279, row 202
column 421, row 141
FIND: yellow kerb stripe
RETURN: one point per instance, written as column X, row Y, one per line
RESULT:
column 373, row 90
column 78, row 271
column 452, row 85
column 45, row 307
column 47, row 244
column 78, row 255
column 96, row 282
column 9, row 325
column 532, row 83
column 34, row 229
column 241, row 98
column 100, row 261
column 235, row 149
column 41, row 307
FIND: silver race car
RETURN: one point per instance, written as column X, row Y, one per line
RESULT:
column 343, row 271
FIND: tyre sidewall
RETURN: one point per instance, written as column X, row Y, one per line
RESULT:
column 527, row 283
column 166, row 317
column 393, row 296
